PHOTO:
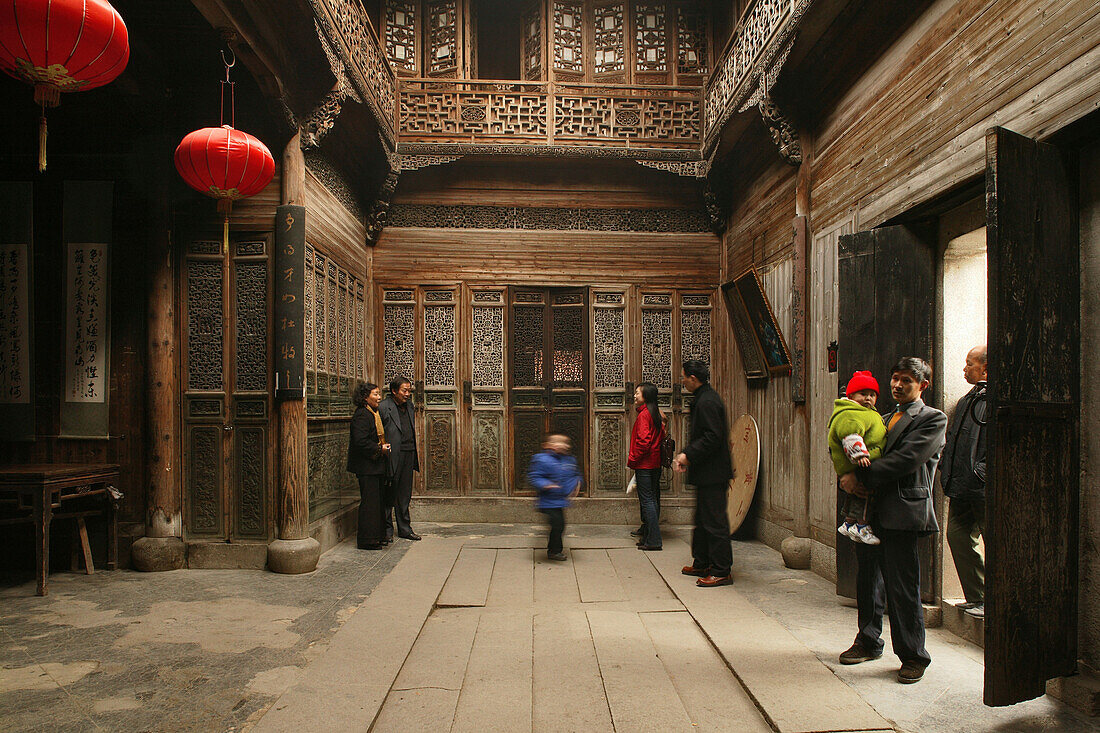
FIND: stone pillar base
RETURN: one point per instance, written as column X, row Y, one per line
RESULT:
column 293, row 556
column 154, row 554
column 796, row 552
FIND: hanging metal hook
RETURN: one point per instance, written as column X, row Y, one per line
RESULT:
column 228, row 64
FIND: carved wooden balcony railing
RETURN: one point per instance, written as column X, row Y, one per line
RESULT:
column 493, row 114
column 348, row 31
column 751, row 60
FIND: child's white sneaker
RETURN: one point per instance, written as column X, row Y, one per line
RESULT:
column 845, row 529
column 864, row 534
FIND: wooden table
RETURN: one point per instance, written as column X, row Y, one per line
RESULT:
column 43, row 488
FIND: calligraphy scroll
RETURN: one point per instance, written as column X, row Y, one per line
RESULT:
column 87, row 230
column 16, row 316
column 86, row 323
column 290, row 334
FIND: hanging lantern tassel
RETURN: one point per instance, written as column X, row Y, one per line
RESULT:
column 224, row 207
column 45, row 95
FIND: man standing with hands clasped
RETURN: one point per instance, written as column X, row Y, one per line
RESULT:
column 901, row 481
column 706, row 458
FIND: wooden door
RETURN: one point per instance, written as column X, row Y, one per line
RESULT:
column 483, row 396
column 549, row 368
column 885, row 310
column 1031, row 529
column 226, row 335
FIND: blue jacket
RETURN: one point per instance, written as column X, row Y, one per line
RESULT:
column 548, row 467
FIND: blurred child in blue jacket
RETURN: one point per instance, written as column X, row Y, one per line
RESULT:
column 553, row 472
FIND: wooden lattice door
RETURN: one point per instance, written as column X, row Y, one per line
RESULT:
column 549, row 360
column 226, row 400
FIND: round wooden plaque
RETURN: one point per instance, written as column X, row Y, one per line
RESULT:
column 745, row 451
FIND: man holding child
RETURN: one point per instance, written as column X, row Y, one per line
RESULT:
column 901, row 482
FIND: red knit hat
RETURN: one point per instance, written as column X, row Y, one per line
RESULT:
column 859, row 382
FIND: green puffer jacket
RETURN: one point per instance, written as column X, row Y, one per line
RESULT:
column 848, row 418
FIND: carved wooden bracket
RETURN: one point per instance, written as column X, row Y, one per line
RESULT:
column 380, row 209
column 686, row 168
column 416, row 162
column 783, row 133
column 321, row 120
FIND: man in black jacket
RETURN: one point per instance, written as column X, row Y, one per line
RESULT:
column 399, row 419
column 707, row 462
column 962, row 475
column 901, row 483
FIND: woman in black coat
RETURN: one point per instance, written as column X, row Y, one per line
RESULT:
column 367, row 456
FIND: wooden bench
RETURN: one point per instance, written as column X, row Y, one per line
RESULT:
column 42, row 489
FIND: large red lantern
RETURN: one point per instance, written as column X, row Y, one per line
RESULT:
column 61, row 46
column 225, row 164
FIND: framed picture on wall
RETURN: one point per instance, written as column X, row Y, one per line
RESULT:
column 747, row 292
column 756, row 371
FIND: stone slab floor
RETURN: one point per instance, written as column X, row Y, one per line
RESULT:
column 473, row 629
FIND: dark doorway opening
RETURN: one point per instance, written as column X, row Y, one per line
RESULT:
column 498, row 39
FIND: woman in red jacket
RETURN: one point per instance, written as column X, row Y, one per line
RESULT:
column 645, row 459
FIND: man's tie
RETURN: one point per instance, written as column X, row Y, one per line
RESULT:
column 893, row 421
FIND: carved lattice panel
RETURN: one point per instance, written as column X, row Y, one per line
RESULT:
column 488, row 449
column 607, row 342
column 360, row 370
column 488, row 347
column 650, row 37
column 251, row 326
column 332, row 314
column 308, row 308
column 439, row 346
column 568, row 347
column 205, row 320
column 442, row 37
column 571, row 424
column 251, row 479
column 568, row 19
column 617, row 118
column 527, row 430
column 528, row 327
column 609, row 39
column 691, row 39
column 320, row 303
column 532, row 42
column 478, row 113
column 657, row 348
column 440, row 442
column 399, row 350
column 695, row 335
column 610, row 449
column 204, row 477
column 400, row 34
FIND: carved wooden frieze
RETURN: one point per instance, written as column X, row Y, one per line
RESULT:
column 521, row 217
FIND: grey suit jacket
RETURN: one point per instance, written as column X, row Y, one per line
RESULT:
column 391, row 421
column 901, row 480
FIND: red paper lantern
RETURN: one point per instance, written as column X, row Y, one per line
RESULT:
column 225, row 164
column 61, row 46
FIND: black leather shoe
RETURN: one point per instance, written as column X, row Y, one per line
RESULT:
column 856, row 654
column 370, row 546
column 649, row 548
column 411, row 536
column 637, row 532
column 559, row 556
column 910, row 672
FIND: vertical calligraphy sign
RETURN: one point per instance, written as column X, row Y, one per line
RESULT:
column 290, row 340
column 16, row 312
column 799, row 304
column 86, row 279
column 87, row 230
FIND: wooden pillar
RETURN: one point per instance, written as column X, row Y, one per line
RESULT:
column 294, row 551
column 797, row 549
column 162, row 547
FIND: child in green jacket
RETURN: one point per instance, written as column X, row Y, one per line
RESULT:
column 857, row 436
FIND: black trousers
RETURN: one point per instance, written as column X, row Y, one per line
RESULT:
column 556, row 517
column 710, row 540
column 889, row 576
column 370, row 510
column 399, row 496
